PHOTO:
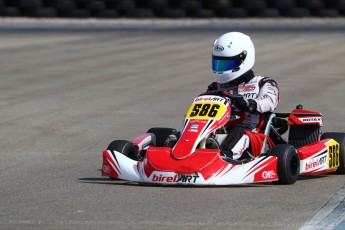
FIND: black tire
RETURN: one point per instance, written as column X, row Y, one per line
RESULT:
column 124, row 5
column 96, row 6
column 64, row 5
column 340, row 5
column 173, row 13
column 284, row 4
column 125, row 147
column 162, row 134
column 254, row 5
column 327, row 13
column 312, row 4
column 190, row 6
column 10, row 12
column 2, row 4
column 340, row 138
column 140, row 13
column 108, row 14
column 233, row 13
column 82, row 3
column 80, row 14
column 288, row 165
column 29, row 4
column 158, row 4
column 269, row 13
column 44, row 12
column 297, row 12
column 218, row 4
column 202, row 14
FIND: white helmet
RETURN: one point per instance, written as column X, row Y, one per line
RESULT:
column 233, row 54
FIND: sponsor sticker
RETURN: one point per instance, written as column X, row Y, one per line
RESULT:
column 195, row 126
column 246, row 88
column 311, row 120
column 268, row 174
column 174, row 178
column 218, row 48
column 106, row 169
column 315, row 163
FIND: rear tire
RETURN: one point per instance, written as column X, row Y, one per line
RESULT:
column 340, row 138
column 162, row 134
column 288, row 164
column 125, row 147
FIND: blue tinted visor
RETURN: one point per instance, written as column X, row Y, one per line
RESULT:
column 220, row 64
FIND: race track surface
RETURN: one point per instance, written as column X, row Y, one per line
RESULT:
column 65, row 95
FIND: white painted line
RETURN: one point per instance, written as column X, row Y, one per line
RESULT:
column 330, row 215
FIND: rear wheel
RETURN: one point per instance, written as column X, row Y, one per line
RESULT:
column 340, row 138
column 125, row 147
column 288, row 163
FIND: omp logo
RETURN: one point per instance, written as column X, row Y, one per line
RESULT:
column 218, row 48
column 268, row 174
column 106, row 169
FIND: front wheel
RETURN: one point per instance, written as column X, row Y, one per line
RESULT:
column 340, row 138
column 288, row 165
column 162, row 134
column 125, row 147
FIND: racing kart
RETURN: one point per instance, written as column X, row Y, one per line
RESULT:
column 194, row 156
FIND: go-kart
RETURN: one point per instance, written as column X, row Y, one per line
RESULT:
column 193, row 156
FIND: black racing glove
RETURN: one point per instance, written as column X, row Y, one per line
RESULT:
column 246, row 105
column 212, row 87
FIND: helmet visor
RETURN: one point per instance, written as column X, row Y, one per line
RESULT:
column 221, row 65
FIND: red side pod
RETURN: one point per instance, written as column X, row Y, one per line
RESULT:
column 305, row 117
column 311, row 149
column 109, row 166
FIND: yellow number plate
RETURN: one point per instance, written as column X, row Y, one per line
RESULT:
column 333, row 154
column 206, row 110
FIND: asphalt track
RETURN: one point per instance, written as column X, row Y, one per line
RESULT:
column 66, row 94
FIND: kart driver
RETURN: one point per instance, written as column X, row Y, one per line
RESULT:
column 233, row 57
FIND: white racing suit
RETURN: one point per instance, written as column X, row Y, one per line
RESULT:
column 264, row 91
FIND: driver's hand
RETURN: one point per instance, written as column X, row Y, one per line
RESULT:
column 246, row 105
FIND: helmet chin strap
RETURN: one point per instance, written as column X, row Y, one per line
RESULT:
column 246, row 77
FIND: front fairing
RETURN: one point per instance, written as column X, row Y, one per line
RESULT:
column 205, row 115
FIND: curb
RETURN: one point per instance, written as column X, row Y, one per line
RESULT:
column 114, row 24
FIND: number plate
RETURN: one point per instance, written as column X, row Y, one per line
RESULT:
column 206, row 110
column 333, row 154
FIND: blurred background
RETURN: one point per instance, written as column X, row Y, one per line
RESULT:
column 172, row 8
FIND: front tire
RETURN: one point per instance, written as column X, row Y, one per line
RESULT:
column 340, row 138
column 125, row 147
column 288, row 164
column 162, row 134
